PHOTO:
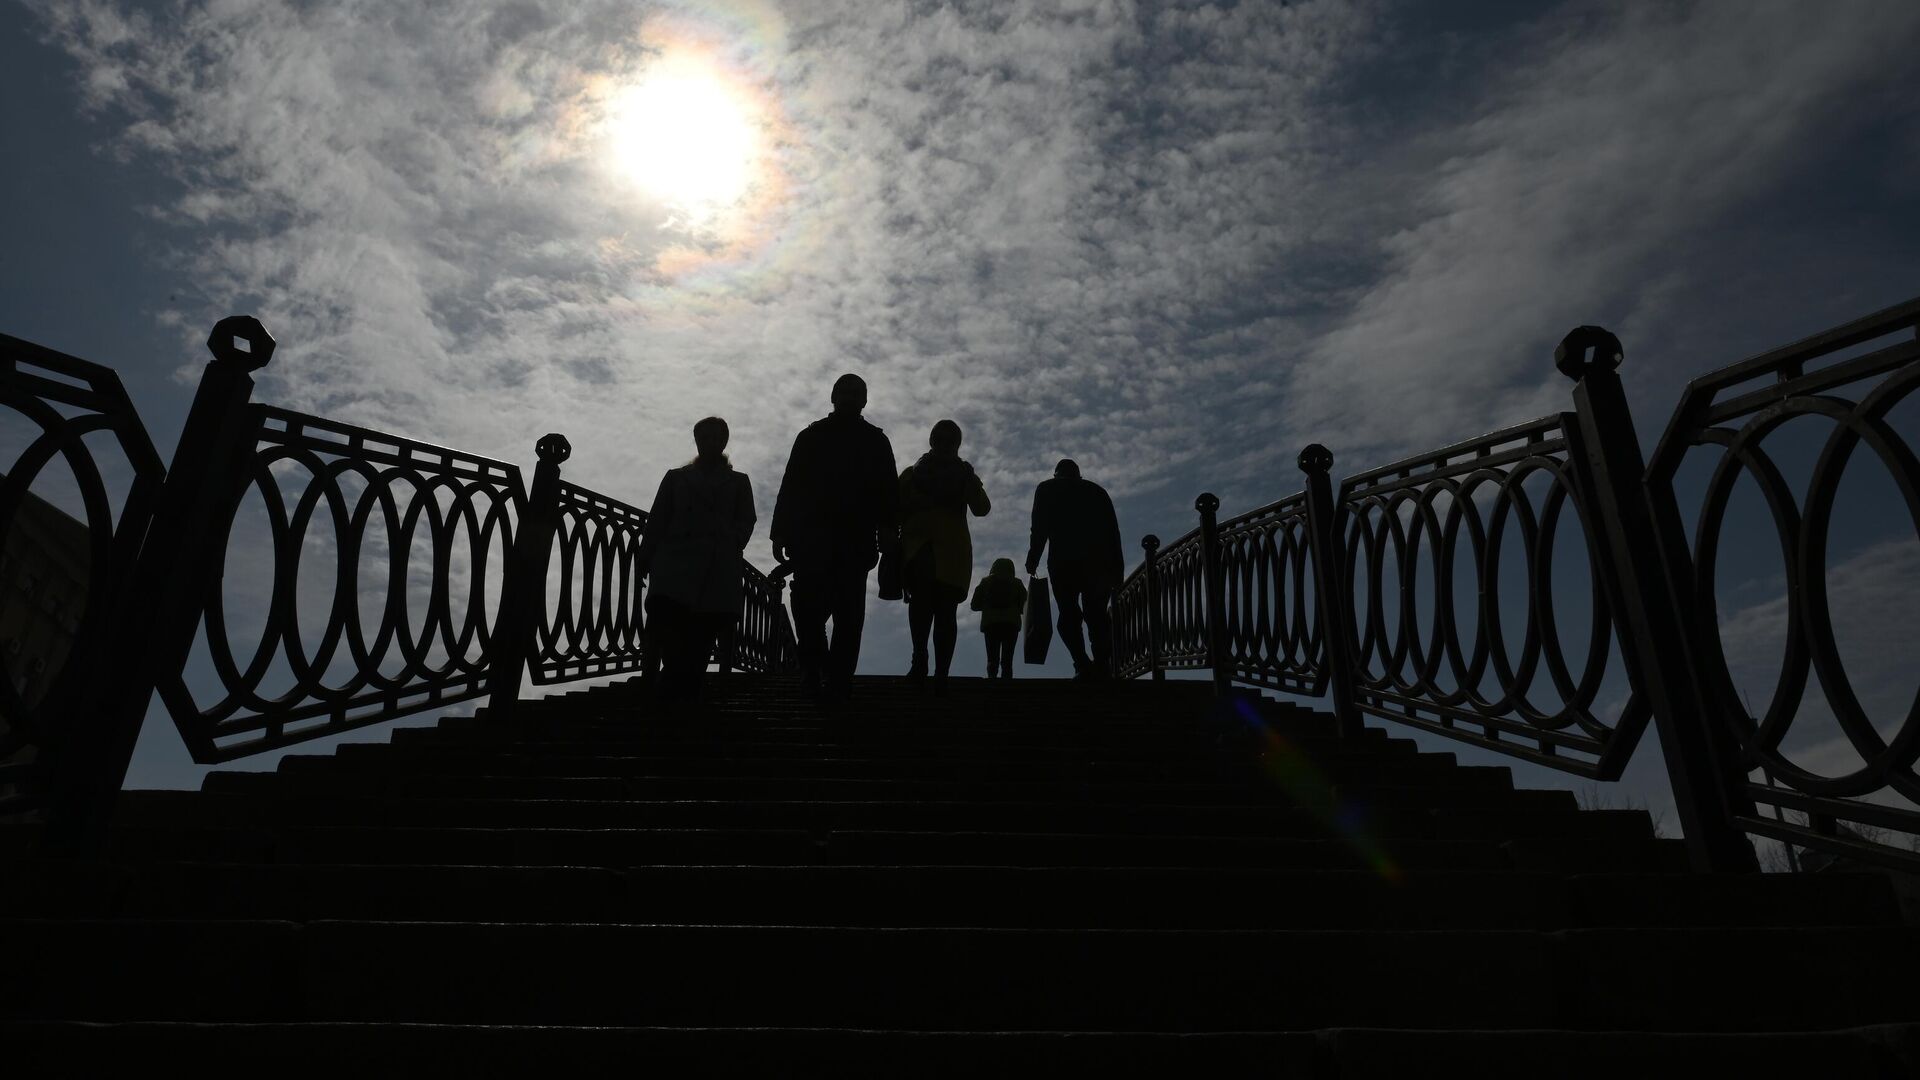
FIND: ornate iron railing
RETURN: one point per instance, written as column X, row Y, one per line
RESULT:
column 1136, row 626
column 762, row 642
column 1392, row 633
column 1179, row 604
column 388, row 577
column 1271, row 629
column 1850, row 379
column 1413, row 516
column 602, row 629
column 381, row 497
column 59, row 635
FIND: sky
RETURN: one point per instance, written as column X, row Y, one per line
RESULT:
column 1172, row 241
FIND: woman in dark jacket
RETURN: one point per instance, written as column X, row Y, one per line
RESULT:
column 700, row 522
column 936, row 494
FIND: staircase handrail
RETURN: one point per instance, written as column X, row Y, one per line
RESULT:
column 468, row 605
column 1650, row 609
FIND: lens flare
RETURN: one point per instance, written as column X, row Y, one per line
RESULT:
column 1292, row 770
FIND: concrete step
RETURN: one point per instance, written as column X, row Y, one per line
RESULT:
column 705, row 847
column 87, row 1049
column 960, row 979
column 1424, row 770
column 320, row 776
column 272, row 804
column 986, row 896
column 808, row 742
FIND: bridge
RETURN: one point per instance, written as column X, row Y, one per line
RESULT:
column 1247, row 869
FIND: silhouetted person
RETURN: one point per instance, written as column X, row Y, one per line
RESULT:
column 1075, row 517
column 936, row 550
column 701, row 519
column 836, row 502
column 1001, row 600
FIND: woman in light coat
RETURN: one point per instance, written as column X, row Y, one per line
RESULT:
column 936, row 494
column 701, row 520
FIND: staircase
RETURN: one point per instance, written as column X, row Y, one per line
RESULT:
column 1034, row 875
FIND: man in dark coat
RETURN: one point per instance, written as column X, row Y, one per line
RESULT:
column 1075, row 517
column 834, row 511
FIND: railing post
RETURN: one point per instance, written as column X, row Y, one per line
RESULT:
column 171, row 576
column 1329, row 593
column 1648, row 576
column 1151, row 545
column 1215, row 580
column 781, row 658
column 523, row 591
column 779, row 630
column 726, row 652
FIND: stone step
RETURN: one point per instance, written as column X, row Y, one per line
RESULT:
column 76, row 1049
column 1434, row 770
column 759, row 726
column 274, row 804
column 1694, row 979
column 91, row 1049
column 806, row 742
column 776, row 847
column 983, row 896
column 321, row 776
column 961, row 688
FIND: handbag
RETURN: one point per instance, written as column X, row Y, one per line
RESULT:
column 1039, row 628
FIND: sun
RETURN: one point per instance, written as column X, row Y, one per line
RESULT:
column 686, row 133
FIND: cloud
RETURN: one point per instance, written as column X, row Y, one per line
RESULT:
column 1580, row 186
column 1037, row 221
column 1174, row 242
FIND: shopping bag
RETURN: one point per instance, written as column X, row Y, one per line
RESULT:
column 891, row 587
column 1039, row 629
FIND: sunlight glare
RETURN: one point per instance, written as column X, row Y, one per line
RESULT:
column 684, row 135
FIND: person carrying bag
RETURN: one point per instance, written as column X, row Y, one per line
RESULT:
column 1039, row 633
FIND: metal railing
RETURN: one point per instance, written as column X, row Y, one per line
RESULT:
column 1478, row 691
column 371, row 490
column 336, row 648
column 602, row 629
column 50, row 702
column 1851, row 377
column 1427, row 592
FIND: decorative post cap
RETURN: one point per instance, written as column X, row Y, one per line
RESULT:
column 1587, row 349
column 1315, row 459
column 1207, row 503
column 1150, row 543
column 553, row 447
column 228, row 334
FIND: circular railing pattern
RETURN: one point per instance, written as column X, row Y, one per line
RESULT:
column 1132, row 622
column 1803, row 527
column 430, row 642
column 1183, row 603
column 763, row 640
column 600, row 629
column 1272, row 630
column 1404, row 528
column 63, row 400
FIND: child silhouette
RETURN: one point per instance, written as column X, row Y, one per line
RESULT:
column 1001, row 600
